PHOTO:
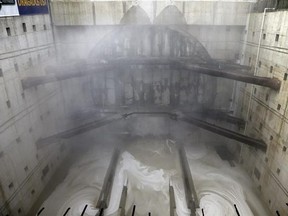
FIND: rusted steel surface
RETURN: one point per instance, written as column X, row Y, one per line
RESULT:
column 240, row 73
column 196, row 112
column 272, row 83
column 64, row 72
column 105, row 194
column 78, row 130
column 29, row 82
column 218, row 115
column 259, row 144
column 123, row 200
column 256, row 143
column 172, row 201
column 190, row 192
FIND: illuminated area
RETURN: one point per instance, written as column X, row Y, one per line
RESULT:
column 143, row 108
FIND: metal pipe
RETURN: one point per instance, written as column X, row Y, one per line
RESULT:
column 41, row 210
column 66, row 212
column 82, row 214
column 238, row 214
column 133, row 211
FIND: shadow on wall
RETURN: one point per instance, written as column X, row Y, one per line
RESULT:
column 135, row 16
column 170, row 15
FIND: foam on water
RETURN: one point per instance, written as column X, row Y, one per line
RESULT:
column 148, row 167
column 218, row 197
column 220, row 186
column 140, row 178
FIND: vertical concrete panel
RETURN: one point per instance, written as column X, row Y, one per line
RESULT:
column 267, row 119
column 108, row 12
column 72, row 13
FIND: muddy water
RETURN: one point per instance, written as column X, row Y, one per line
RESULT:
column 147, row 166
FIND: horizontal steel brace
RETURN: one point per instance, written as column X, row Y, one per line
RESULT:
column 239, row 73
column 259, row 144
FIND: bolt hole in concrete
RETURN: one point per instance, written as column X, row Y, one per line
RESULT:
column 148, row 165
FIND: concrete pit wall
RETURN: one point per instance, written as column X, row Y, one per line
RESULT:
column 27, row 115
column 267, row 118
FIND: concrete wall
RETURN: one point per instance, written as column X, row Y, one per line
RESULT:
column 210, row 12
column 27, row 115
column 217, row 24
column 267, row 118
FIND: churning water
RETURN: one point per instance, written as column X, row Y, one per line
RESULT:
column 148, row 166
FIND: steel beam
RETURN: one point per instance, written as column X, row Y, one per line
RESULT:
column 272, row 83
column 29, row 82
column 176, row 60
column 172, row 201
column 190, row 192
column 121, row 210
column 228, row 71
column 78, row 130
column 62, row 72
column 218, row 115
column 238, row 73
column 259, row 144
column 105, row 194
